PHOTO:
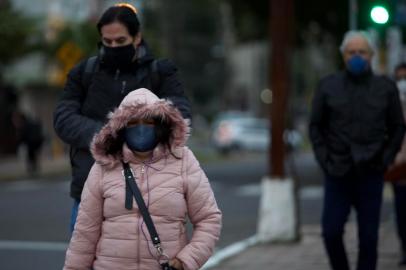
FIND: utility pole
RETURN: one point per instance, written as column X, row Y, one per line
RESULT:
column 277, row 214
column 281, row 27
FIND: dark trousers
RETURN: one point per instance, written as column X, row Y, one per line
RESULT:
column 74, row 214
column 400, row 209
column 364, row 193
column 33, row 152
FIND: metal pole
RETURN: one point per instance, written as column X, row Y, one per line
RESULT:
column 352, row 14
column 281, row 22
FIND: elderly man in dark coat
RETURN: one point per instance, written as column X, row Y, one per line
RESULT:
column 356, row 128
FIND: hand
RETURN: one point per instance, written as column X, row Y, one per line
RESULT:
column 176, row 263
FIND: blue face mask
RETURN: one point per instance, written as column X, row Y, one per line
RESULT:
column 357, row 65
column 141, row 138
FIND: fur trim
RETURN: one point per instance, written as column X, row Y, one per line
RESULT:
column 139, row 104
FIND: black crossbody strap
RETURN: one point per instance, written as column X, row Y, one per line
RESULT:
column 128, row 196
column 132, row 186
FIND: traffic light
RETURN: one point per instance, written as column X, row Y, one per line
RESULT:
column 379, row 14
column 376, row 14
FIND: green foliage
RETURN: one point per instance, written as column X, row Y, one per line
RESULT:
column 188, row 33
column 250, row 19
column 17, row 34
column 83, row 34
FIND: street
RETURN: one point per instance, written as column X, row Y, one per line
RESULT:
column 35, row 213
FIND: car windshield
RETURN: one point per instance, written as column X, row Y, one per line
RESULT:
column 253, row 124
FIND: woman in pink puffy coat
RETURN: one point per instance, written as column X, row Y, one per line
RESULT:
column 149, row 134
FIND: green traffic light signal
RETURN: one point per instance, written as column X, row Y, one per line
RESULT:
column 379, row 15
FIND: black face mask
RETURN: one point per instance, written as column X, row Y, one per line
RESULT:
column 118, row 57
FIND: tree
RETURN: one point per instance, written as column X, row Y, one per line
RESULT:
column 72, row 42
column 83, row 34
column 16, row 31
column 251, row 19
column 189, row 33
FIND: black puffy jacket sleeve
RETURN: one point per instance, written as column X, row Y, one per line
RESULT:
column 70, row 125
column 395, row 125
column 171, row 88
column 317, row 125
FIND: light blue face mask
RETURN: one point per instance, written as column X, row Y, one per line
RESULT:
column 357, row 65
column 141, row 138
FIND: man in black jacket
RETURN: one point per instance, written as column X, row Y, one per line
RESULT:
column 97, row 86
column 356, row 128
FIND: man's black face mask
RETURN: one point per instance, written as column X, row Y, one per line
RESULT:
column 117, row 57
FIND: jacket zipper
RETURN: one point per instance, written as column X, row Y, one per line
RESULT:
column 142, row 172
column 123, row 84
column 117, row 75
column 139, row 227
column 138, row 242
column 142, row 179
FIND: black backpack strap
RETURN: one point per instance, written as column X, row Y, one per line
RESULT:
column 91, row 66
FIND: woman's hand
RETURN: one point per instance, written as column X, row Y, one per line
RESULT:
column 176, row 264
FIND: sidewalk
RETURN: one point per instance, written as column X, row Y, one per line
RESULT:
column 309, row 253
column 14, row 168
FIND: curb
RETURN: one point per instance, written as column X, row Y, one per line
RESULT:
column 230, row 251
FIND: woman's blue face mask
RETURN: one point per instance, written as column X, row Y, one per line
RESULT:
column 141, row 137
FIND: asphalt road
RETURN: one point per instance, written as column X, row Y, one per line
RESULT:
column 35, row 213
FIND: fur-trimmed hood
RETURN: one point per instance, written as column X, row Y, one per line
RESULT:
column 138, row 104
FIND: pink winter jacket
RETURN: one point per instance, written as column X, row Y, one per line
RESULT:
column 107, row 235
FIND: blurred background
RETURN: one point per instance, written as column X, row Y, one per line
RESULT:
column 222, row 49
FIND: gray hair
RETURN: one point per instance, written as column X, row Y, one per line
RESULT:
column 356, row 33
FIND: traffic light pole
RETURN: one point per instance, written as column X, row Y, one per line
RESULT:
column 353, row 14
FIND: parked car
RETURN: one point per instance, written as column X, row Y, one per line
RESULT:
column 238, row 131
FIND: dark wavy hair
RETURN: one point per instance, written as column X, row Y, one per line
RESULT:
column 122, row 13
column 400, row 66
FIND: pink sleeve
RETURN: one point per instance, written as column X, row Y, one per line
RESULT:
column 203, row 213
column 82, row 246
